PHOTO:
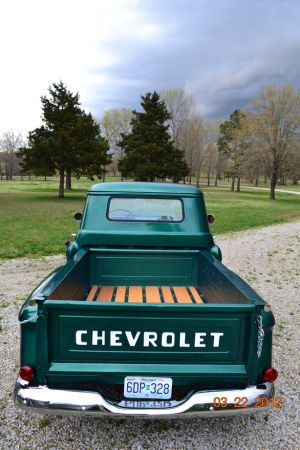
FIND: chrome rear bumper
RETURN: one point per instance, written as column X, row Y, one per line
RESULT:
column 60, row 401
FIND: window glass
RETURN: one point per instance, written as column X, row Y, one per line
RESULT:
column 145, row 209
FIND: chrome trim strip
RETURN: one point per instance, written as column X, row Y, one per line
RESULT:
column 60, row 401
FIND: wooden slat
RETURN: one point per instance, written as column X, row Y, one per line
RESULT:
column 120, row 295
column 182, row 294
column 92, row 293
column 195, row 294
column 152, row 294
column 135, row 294
column 105, row 294
column 167, row 294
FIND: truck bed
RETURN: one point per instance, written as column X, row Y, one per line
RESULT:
column 144, row 294
column 143, row 276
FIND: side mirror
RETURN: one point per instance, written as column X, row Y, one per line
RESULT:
column 210, row 218
column 78, row 216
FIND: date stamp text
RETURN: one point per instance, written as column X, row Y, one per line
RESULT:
column 242, row 402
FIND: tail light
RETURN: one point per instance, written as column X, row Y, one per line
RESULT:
column 26, row 373
column 270, row 375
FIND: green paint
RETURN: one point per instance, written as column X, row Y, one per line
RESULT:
column 113, row 341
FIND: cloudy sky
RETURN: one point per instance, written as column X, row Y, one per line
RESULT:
column 112, row 51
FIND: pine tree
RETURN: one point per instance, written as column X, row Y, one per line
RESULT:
column 231, row 143
column 96, row 158
column 149, row 150
column 36, row 157
column 68, row 141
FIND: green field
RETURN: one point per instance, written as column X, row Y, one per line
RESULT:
column 34, row 222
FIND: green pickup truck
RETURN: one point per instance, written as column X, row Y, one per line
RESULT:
column 144, row 319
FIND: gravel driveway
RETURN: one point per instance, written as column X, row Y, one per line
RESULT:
column 269, row 259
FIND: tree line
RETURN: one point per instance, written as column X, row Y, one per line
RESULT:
column 167, row 140
column 264, row 139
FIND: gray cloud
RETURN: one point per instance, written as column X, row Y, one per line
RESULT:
column 221, row 51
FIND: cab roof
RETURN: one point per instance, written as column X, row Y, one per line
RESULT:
column 144, row 188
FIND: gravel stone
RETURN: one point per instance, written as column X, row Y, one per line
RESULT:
column 269, row 259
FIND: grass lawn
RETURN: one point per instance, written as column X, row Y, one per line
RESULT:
column 34, row 222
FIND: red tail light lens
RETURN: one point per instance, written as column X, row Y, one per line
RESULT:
column 270, row 375
column 26, row 373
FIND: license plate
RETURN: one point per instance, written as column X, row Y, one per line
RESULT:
column 146, row 387
column 147, row 404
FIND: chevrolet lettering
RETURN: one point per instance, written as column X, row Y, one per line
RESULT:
column 148, row 339
column 144, row 319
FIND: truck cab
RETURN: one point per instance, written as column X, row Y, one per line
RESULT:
column 144, row 319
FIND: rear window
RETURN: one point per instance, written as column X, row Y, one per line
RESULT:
column 145, row 209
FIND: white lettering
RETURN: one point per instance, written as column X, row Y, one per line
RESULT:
column 78, row 337
column 132, row 340
column 115, row 339
column 164, row 340
column 216, row 337
column 182, row 342
column 150, row 337
column 96, row 338
column 199, row 340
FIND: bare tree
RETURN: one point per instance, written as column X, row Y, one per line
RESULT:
column 181, row 107
column 211, row 159
column 10, row 142
column 290, row 167
column 2, row 164
column 187, row 128
column 294, row 167
column 235, row 142
column 278, row 125
column 255, row 165
column 193, row 142
column 114, row 124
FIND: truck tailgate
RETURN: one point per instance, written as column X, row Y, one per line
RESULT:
column 97, row 342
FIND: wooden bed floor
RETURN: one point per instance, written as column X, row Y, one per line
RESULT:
column 144, row 294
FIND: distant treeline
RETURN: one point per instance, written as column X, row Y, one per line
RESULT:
column 168, row 139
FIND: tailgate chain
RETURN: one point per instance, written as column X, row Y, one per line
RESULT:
column 260, row 337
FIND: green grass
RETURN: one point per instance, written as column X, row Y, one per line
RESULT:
column 239, row 211
column 34, row 222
